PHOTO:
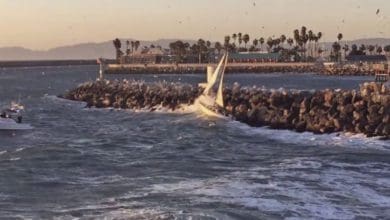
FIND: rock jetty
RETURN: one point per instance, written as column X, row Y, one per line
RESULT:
column 365, row 111
column 261, row 68
column 134, row 94
column 201, row 68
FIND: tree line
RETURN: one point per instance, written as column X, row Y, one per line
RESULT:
column 303, row 45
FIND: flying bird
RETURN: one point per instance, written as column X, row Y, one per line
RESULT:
column 377, row 11
column 254, row 4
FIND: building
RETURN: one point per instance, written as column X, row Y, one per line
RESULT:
column 145, row 56
column 254, row 57
column 368, row 62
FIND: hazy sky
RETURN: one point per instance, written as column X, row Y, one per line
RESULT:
column 43, row 24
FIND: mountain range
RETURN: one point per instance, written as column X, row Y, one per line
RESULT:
column 106, row 49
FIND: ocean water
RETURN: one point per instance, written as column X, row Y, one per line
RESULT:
column 119, row 164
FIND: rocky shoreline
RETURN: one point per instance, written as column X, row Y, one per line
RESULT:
column 366, row 111
column 262, row 68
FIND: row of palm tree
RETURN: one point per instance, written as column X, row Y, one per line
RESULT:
column 337, row 49
column 134, row 46
column 201, row 49
column 304, row 43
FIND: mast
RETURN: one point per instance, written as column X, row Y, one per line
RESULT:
column 219, row 99
column 214, row 76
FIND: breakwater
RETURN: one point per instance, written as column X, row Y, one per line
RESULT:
column 36, row 63
column 134, row 94
column 365, row 111
column 201, row 68
column 237, row 68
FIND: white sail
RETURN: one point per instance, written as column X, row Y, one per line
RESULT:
column 214, row 76
column 219, row 99
column 209, row 102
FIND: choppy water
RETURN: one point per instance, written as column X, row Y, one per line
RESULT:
column 105, row 164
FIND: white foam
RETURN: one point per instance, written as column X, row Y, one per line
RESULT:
column 68, row 102
column 308, row 138
column 14, row 158
column 20, row 149
column 315, row 194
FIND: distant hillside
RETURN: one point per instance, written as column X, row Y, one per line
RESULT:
column 74, row 52
column 106, row 49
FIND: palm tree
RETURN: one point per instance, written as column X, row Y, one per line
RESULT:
column 261, row 40
column 239, row 40
column 202, row 48
column 234, row 36
column 136, row 44
column 336, row 51
column 371, row 48
column 297, row 37
column 270, row 43
column 387, row 49
column 283, row 38
column 318, row 38
column 218, row 47
column 290, row 41
column 255, row 43
column 379, row 50
column 305, row 38
column 340, row 37
column 346, row 49
column 117, row 44
column 246, row 39
column 311, row 38
column 303, row 30
column 127, row 47
column 179, row 48
column 132, row 46
column 226, row 43
column 363, row 48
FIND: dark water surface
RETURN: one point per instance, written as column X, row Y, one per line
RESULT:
column 103, row 164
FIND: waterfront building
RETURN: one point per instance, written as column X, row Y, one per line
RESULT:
column 254, row 57
column 146, row 56
column 378, row 63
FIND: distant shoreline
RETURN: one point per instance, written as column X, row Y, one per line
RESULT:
column 37, row 63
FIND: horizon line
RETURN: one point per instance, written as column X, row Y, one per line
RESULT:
column 159, row 39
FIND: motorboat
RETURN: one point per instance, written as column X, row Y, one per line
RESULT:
column 11, row 118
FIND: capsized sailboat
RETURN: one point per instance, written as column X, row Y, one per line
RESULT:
column 211, row 101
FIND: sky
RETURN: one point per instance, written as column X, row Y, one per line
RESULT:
column 44, row 24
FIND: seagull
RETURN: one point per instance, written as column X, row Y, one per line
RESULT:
column 377, row 11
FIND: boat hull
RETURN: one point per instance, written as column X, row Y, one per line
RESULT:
column 205, row 109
